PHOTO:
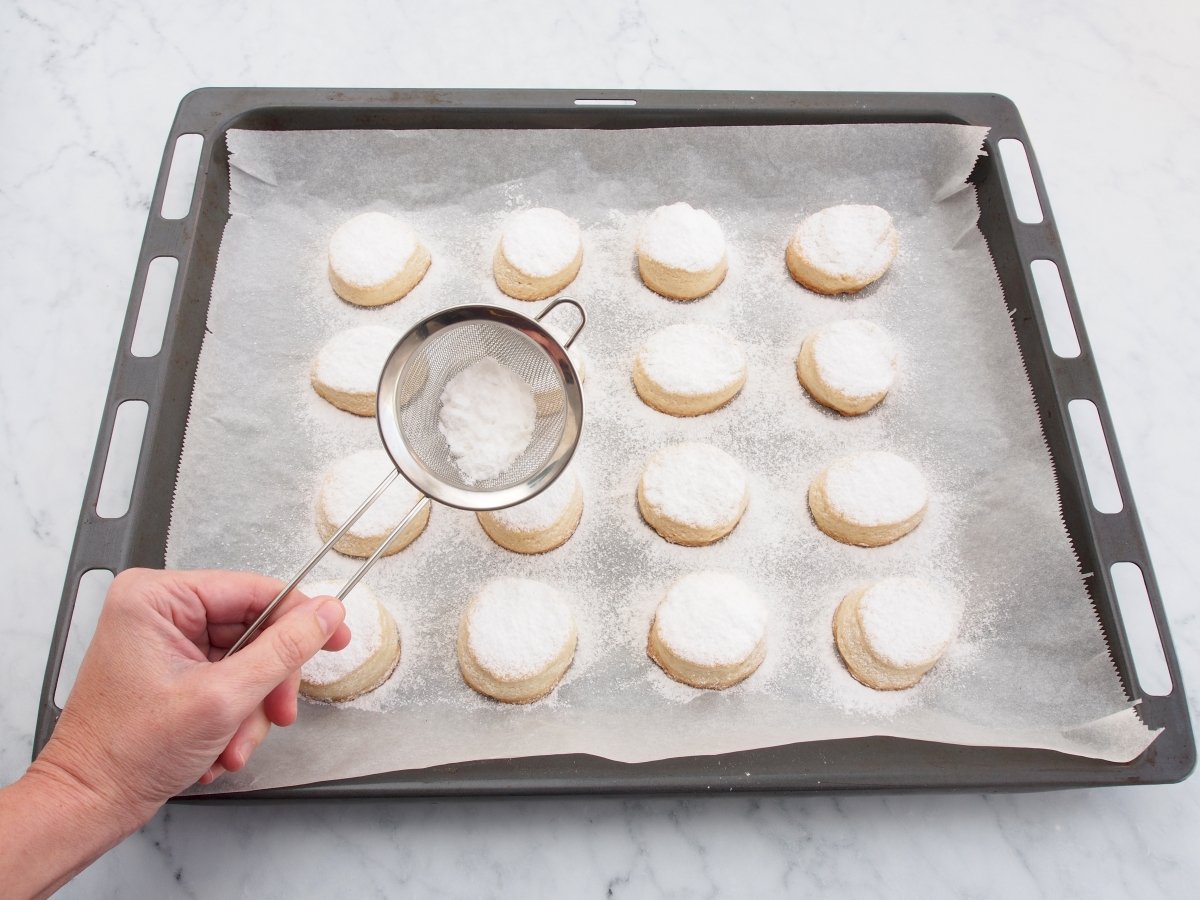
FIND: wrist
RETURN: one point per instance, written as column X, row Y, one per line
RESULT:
column 54, row 827
column 78, row 784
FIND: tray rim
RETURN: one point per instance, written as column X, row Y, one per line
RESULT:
column 912, row 765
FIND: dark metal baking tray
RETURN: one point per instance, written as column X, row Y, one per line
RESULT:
column 165, row 383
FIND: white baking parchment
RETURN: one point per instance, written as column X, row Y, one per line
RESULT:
column 1030, row 667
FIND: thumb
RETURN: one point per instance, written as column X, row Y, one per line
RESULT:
column 284, row 646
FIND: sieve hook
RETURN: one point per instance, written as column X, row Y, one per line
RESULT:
column 582, row 317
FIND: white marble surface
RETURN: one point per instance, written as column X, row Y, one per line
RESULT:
column 87, row 92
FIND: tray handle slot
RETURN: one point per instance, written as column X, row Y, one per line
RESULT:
column 1022, row 190
column 1052, row 297
column 1098, row 469
column 154, row 306
column 1143, row 633
column 181, row 180
column 605, row 101
column 121, row 464
column 89, row 596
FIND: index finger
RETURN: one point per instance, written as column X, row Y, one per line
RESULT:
column 211, row 604
column 212, row 608
column 232, row 597
column 222, row 637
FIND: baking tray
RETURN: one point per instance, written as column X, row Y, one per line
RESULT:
column 879, row 764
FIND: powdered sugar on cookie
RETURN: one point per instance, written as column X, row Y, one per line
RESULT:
column 371, row 249
column 711, row 619
column 692, row 360
column 697, row 484
column 517, row 626
column 850, row 241
column 875, row 488
column 540, row 242
column 352, row 359
column 907, row 622
column 683, row 238
column 854, row 357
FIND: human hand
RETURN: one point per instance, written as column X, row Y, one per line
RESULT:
column 155, row 708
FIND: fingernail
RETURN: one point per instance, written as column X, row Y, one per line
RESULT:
column 330, row 613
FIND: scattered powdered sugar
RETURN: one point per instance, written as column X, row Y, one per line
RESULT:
column 683, row 238
column 853, row 241
column 711, row 619
column 544, row 510
column 697, row 484
column 517, row 626
column 362, row 618
column 875, row 487
column 352, row 359
column 692, row 359
column 907, row 621
column 487, row 417
column 855, row 357
column 350, row 481
column 371, row 248
column 540, row 242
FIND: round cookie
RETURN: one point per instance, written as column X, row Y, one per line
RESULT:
column 848, row 366
column 366, row 662
column 346, row 371
column 869, row 499
column 693, row 494
column 375, row 259
column 689, row 370
column 541, row 524
column 710, row 631
column 515, row 640
column 681, row 252
column 347, row 484
column 539, row 254
column 842, row 249
column 892, row 632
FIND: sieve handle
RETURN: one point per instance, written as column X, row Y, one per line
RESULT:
column 420, row 505
column 317, row 557
column 582, row 317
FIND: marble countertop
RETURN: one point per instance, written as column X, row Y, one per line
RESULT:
column 87, row 93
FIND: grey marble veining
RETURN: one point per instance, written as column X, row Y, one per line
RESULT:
column 1107, row 91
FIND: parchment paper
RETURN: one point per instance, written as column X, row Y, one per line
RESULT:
column 1030, row 667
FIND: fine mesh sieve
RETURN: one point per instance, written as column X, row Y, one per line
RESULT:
column 409, row 401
